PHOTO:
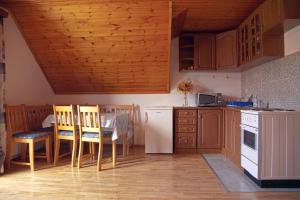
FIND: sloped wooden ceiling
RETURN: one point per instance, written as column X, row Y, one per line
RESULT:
column 98, row 46
column 214, row 15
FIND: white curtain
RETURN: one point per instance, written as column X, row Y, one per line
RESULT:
column 2, row 98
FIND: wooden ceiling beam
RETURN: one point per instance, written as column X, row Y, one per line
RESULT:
column 178, row 23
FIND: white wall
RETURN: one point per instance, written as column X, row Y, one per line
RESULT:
column 292, row 41
column 25, row 82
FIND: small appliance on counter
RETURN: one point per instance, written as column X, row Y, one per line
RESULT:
column 209, row 99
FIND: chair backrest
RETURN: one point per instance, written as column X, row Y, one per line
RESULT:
column 15, row 119
column 119, row 109
column 89, row 119
column 36, row 114
column 64, row 118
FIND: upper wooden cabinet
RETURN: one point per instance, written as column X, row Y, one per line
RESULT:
column 226, row 50
column 280, row 15
column 187, row 52
column 255, row 46
column 196, row 51
column 205, row 52
column 258, row 39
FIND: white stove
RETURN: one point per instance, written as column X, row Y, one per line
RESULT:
column 263, row 157
column 249, row 141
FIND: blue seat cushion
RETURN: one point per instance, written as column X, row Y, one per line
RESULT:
column 90, row 135
column 30, row 135
column 96, row 135
column 65, row 133
column 47, row 129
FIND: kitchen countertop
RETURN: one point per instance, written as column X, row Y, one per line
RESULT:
column 212, row 107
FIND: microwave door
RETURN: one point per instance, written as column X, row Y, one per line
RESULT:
column 204, row 99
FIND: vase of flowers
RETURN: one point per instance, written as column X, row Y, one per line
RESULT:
column 185, row 87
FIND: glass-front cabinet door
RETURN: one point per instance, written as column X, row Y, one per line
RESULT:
column 256, row 34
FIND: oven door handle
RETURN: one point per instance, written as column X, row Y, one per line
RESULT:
column 252, row 129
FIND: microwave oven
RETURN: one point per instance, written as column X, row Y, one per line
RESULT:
column 209, row 99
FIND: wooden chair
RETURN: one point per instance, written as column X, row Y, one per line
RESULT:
column 129, row 109
column 65, row 129
column 17, row 132
column 90, row 131
column 35, row 115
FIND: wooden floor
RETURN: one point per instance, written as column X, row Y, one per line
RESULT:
column 139, row 176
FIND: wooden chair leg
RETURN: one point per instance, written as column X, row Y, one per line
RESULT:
column 124, row 147
column 23, row 151
column 74, row 153
column 48, row 150
column 93, row 150
column 100, row 152
column 127, row 147
column 71, row 145
column 56, row 151
column 51, row 147
column 31, row 155
column 81, row 147
column 8, row 155
column 114, row 153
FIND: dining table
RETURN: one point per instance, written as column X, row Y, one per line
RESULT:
column 118, row 123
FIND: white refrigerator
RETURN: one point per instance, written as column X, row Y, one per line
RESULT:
column 159, row 129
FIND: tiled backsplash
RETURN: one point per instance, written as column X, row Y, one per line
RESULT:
column 276, row 82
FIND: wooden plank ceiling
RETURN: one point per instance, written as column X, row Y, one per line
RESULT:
column 214, row 15
column 103, row 46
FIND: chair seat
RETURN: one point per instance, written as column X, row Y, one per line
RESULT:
column 30, row 135
column 96, row 135
column 47, row 129
column 65, row 133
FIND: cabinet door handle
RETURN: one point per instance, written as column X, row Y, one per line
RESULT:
column 146, row 117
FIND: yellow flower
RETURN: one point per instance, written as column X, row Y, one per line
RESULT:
column 185, row 87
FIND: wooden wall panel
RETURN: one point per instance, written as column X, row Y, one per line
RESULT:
column 104, row 46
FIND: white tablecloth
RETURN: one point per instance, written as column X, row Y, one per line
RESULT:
column 118, row 123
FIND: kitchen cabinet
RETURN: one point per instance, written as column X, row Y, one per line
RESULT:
column 196, row 52
column 256, row 47
column 209, row 129
column 226, row 50
column 198, row 129
column 272, row 14
column 261, row 35
column 205, row 52
column 280, row 15
column 232, row 135
column 185, row 129
column 187, row 47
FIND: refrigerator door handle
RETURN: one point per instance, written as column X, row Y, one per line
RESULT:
column 146, row 117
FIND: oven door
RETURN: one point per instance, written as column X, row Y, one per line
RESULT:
column 249, row 147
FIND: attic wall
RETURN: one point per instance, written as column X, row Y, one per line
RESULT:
column 25, row 82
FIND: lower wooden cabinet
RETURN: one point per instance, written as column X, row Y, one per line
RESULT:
column 198, row 129
column 209, row 129
column 186, row 140
column 232, row 135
